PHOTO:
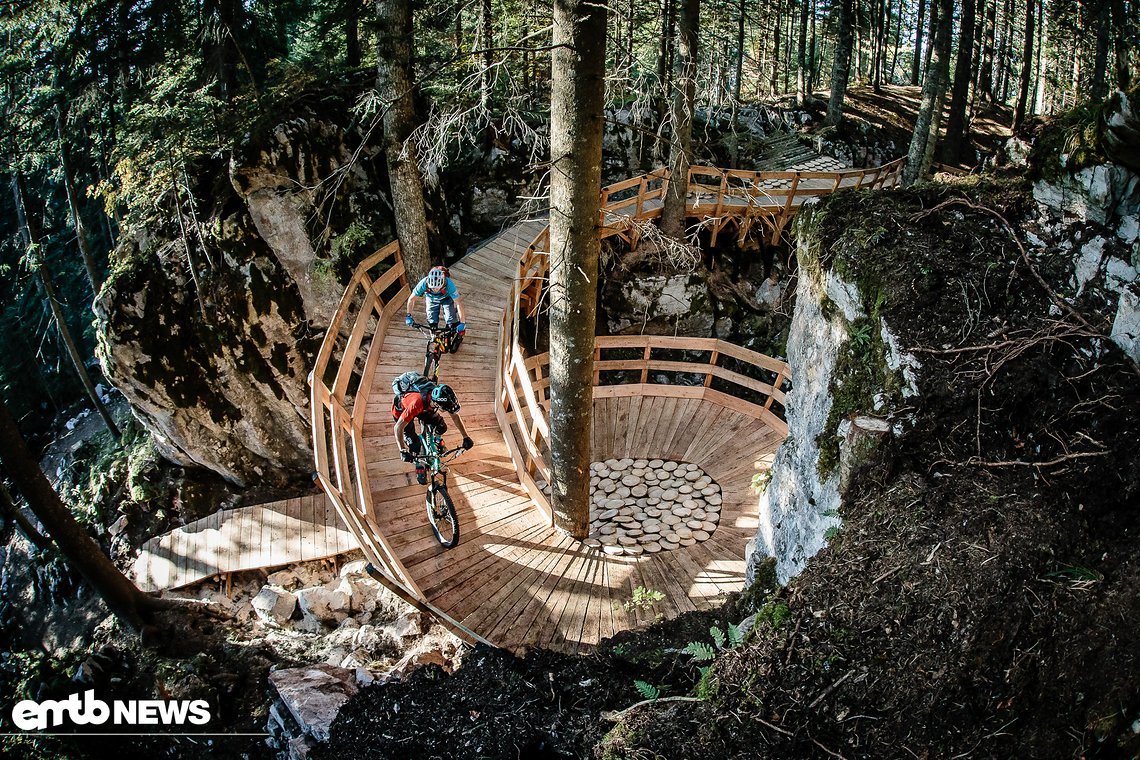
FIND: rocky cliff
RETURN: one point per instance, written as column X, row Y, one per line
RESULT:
column 217, row 368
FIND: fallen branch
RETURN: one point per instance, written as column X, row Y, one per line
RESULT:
column 766, row 724
column 825, row 749
column 1050, row 463
column 831, row 688
column 615, row 716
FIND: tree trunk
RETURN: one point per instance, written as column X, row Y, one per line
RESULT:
column 394, row 81
column 11, row 512
column 1001, row 76
column 93, row 274
column 925, row 136
column 352, row 35
column 577, row 98
column 1026, row 66
column 677, row 191
column 122, row 597
column 960, row 94
column 986, row 75
column 801, row 58
column 1120, row 43
column 664, row 73
column 1099, row 88
column 31, row 243
column 842, row 65
column 739, row 53
column 776, row 27
column 898, row 42
column 487, row 43
column 883, row 38
column 932, row 32
column 916, row 63
column 813, row 53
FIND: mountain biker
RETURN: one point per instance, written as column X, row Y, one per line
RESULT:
column 442, row 295
column 416, row 404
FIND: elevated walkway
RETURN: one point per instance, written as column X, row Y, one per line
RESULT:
column 514, row 580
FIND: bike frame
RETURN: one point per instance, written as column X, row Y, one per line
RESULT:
column 439, row 342
column 435, row 460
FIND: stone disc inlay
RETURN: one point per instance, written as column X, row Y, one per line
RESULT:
column 640, row 506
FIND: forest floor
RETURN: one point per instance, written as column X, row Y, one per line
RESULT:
column 978, row 601
column 890, row 114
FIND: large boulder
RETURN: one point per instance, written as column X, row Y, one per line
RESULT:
column 214, row 362
column 314, row 694
column 217, row 376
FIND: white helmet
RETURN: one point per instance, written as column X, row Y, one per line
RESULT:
column 436, row 278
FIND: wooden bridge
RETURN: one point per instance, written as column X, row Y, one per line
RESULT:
column 513, row 579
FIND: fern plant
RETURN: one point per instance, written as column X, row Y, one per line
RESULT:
column 647, row 690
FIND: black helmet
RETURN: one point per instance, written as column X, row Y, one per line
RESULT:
column 443, row 397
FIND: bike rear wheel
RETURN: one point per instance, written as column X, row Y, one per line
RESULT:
column 441, row 516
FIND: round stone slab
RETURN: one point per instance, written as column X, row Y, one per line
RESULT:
column 650, row 506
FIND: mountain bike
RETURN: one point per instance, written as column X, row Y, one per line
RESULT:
column 441, row 340
column 440, row 509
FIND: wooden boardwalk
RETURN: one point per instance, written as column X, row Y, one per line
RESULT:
column 247, row 538
column 514, row 579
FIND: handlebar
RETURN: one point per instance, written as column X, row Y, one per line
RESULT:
column 429, row 330
column 449, row 454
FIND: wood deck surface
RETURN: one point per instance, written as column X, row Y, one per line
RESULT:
column 513, row 578
column 246, row 538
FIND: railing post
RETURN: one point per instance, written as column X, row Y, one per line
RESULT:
column 775, row 387
column 597, row 372
column 712, row 363
column 645, row 364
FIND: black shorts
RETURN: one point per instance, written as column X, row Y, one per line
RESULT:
column 431, row 420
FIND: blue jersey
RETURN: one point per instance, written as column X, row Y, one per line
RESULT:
column 449, row 291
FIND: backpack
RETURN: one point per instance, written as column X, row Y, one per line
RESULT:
column 411, row 382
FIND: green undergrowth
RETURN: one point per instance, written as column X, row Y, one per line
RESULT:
column 102, row 471
column 1071, row 140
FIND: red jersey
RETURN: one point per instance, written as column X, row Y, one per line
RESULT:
column 412, row 405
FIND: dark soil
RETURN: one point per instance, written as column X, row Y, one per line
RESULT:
column 980, row 599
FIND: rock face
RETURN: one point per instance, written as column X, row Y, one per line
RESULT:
column 314, row 694
column 219, row 376
column 1095, row 213
column 801, row 501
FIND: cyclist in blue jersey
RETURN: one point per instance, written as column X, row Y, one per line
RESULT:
column 442, row 296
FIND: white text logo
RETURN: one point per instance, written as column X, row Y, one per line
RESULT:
column 30, row 715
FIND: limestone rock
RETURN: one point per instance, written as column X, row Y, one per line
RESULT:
column 274, row 603
column 314, row 694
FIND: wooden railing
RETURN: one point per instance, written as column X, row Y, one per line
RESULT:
column 692, row 368
column 339, row 388
column 717, row 198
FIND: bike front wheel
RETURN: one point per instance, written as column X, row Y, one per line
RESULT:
column 431, row 365
column 441, row 516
